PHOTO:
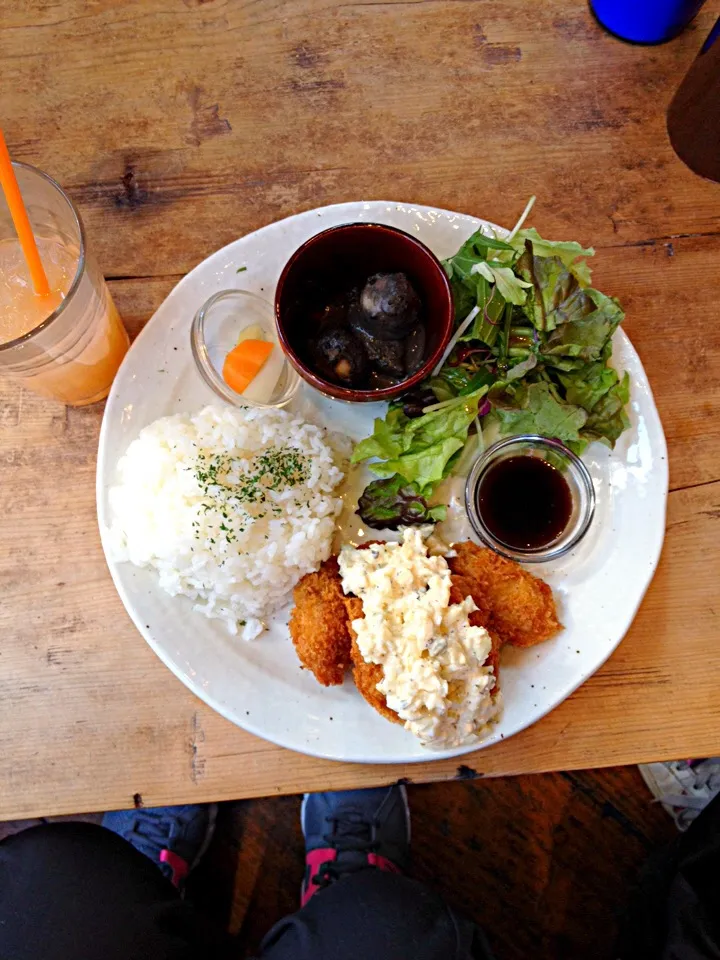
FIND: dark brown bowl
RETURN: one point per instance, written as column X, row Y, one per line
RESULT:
column 355, row 251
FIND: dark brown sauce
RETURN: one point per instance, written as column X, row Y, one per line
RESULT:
column 525, row 502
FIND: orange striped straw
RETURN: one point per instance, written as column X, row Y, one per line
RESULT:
column 14, row 199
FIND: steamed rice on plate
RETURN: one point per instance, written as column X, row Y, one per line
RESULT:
column 230, row 507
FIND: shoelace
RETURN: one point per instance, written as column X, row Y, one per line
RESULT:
column 351, row 834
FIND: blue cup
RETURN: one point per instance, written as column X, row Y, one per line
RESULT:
column 645, row 21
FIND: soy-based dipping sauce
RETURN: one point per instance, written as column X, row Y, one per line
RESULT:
column 525, row 502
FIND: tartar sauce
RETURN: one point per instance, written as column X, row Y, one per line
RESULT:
column 433, row 660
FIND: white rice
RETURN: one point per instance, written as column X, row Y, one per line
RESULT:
column 194, row 502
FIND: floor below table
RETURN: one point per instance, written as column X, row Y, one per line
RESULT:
column 543, row 862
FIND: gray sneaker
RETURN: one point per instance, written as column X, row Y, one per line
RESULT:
column 351, row 830
column 174, row 838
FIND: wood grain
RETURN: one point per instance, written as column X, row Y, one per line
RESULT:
column 179, row 125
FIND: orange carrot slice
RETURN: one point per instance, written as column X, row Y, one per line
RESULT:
column 244, row 362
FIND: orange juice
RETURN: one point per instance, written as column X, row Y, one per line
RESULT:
column 69, row 345
column 20, row 309
column 85, row 375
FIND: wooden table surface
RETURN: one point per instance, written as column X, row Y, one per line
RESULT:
column 179, row 125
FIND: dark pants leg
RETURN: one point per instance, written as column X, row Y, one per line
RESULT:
column 674, row 912
column 375, row 916
column 75, row 891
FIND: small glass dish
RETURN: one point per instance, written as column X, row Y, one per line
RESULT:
column 574, row 473
column 216, row 330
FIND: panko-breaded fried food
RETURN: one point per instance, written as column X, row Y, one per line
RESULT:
column 318, row 624
column 366, row 675
column 521, row 607
column 513, row 606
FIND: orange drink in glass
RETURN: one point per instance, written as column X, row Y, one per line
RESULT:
column 67, row 345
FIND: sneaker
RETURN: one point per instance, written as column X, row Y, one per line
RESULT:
column 352, row 830
column 683, row 787
column 174, row 838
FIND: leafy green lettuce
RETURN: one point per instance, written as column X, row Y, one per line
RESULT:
column 537, row 410
column 420, row 450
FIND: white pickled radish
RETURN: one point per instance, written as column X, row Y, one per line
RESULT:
column 262, row 387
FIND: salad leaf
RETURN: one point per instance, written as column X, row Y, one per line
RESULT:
column 386, row 440
column 425, row 466
column 473, row 250
column 568, row 251
column 608, row 419
column 588, row 385
column 522, row 368
column 419, row 449
column 511, row 288
column 472, row 283
column 588, row 334
column 476, row 291
column 458, row 381
column 391, row 503
column 538, row 411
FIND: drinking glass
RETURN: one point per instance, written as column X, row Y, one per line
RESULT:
column 72, row 354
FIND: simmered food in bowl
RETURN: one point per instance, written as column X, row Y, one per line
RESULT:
column 363, row 311
column 372, row 335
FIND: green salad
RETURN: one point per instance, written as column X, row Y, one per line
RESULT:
column 530, row 354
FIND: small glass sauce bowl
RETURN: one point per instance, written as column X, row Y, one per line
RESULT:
column 215, row 331
column 573, row 471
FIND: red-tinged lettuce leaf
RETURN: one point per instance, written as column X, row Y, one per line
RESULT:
column 587, row 336
column 569, row 252
column 559, row 298
column 392, row 503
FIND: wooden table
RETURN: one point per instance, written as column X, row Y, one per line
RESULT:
column 179, row 126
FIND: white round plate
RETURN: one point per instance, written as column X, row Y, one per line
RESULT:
column 259, row 685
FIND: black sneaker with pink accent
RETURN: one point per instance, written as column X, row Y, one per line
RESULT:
column 353, row 830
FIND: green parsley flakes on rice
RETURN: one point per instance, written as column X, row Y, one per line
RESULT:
column 231, row 507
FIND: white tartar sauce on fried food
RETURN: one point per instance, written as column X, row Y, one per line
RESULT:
column 433, row 660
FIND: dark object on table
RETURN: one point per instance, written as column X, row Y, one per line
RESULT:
column 694, row 114
column 387, row 293
column 645, row 21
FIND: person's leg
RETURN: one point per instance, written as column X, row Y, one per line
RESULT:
column 357, row 903
column 78, row 891
column 674, row 911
